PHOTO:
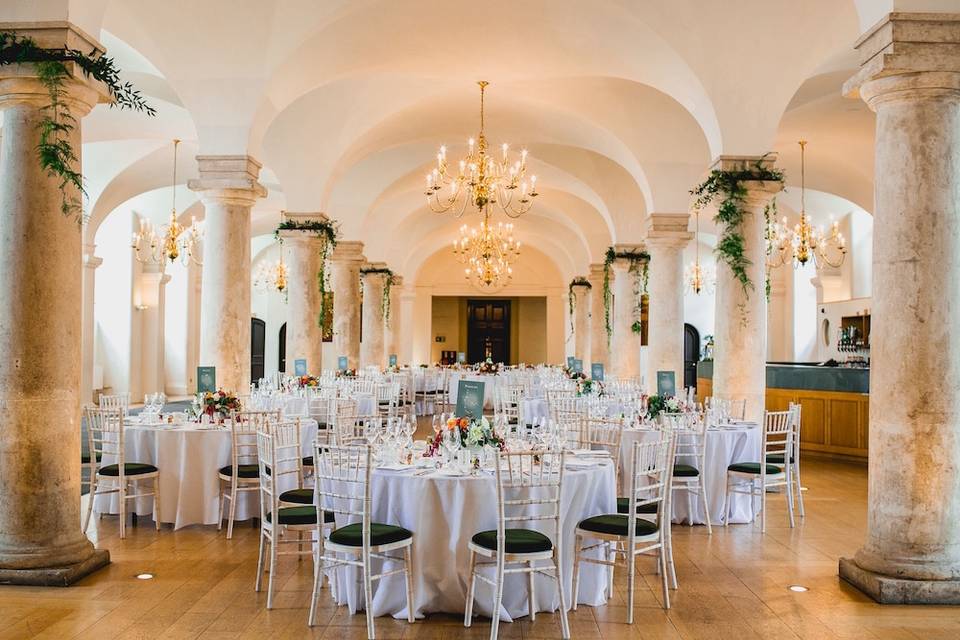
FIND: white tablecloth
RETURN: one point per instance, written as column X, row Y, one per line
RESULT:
column 444, row 513
column 189, row 459
column 535, row 409
column 724, row 446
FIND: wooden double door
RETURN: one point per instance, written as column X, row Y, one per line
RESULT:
column 488, row 330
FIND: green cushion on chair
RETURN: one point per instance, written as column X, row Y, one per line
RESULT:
column 298, row 515
column 753, row 467
column 517, row 541
column 623, row 506
column 85, row 458
column 685, row 471
column 352, row 534
column 297, row 496
column 616, row 524
column 245, row 471
column 129, row 469
column 322, row 425
column 307, row 461
column 777, row 458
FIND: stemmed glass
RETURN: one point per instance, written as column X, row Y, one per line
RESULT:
column 451, row 443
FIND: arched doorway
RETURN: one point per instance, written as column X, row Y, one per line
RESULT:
column 691, row 355
column 258, row 339
column 282, row 350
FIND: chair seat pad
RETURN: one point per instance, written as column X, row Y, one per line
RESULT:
column 307, row 461
column 753, row 467
column 777, row 458
column 129, row 469
column 297, row 496
column 685, row 471
column 298, row 515
column 352, row 534
column 244, row 471
column 85, row 458
column 616, row 524
column 623, row 506
column 517, row 541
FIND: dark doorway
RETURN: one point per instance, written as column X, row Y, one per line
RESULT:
column 488, row 330
column 258, row 338
column 691, row 355
column 282, row 351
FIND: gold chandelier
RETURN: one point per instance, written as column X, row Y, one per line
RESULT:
column 804, row 242
column 271, row 277
column 487, row 251
column 481, row 179
column 699, row 278
column 172, row 241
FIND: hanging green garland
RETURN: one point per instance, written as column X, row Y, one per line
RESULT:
column 327, row 232
column 55, row 151
column 730, row 212
column 639, row 262
column 571, row 297
column 388, row 282
column 769, row 215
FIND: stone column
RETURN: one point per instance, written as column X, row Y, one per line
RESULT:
column 90, row 264
column 740, row 332
column 625, row 344
column 393, row 325
column 910, row 76
column 228, row 188
column 667, row 236
column 302, row 255
column 345, row 279
column 41, row 332
column 151, row 310
column 599, row 345
column 374, row 279
column 581, row 323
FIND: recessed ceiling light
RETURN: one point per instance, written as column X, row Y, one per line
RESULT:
column 144, row 576
column 799, row 588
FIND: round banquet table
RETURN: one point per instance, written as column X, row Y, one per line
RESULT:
column 725, row 445
column 444, row 512
column 189, row 458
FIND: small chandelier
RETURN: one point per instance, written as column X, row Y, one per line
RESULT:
column 172, row 241
column 481, row 179
column 699, row 278
column 487, row 252
column 804, row 242
column 271, row 276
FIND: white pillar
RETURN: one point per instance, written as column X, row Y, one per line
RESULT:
column 625, row 343
column 304, row 260
column 151, row 312
column 90, row 264
column 599, row 341
column 422, row 325
column 582, row 298
column 374, row 277
column 740, row 334
column 41, row 332
column 228, row 188
column 394, row 323
column 555, row 325
column 345, row 280
column 667, row 236
column 194, row 304
column 912, row 551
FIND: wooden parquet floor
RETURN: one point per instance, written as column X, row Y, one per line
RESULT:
column 733, row 584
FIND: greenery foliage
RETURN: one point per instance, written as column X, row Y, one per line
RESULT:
column 327, row 232
column 572, row 298
column 55, row 150
column 639, row 263
column 388, row 283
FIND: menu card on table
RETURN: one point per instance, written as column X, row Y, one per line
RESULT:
column 470, row 399
column 666, row 383
column 596, row 371
column 206, row 379
column 342, row 363
column 577, row 365
column 300, row 367
column 570, row 360
column 392, row 360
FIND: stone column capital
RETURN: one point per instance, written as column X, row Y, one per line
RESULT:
column 348, row 251
column 303, row 236
column 91, row 261
column 668, row 230
column 596, row 272
column 228, row 180
column 396, row 281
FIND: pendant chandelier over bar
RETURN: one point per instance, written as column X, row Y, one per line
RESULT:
column 481, row 179
column 271, row 276
column 172, row 241
column 699, row 278
column 804, row 242
column 487, row 251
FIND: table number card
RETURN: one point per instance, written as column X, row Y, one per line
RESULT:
column 342, row 363
column 392, row 360
column 300, row 367
column 461, row 357
column 570, row 360
column 577, row 365
column 596, row 371
column 470, row 399
column 666, row 383
column 206, row 379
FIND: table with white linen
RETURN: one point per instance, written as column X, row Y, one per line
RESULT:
column 724, row 446
column 444, row 513
column 189, row 458
column 537, row 409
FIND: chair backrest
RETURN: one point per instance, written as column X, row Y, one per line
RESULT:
column 244, row 426
column 529, row 487
column 778, row 430
column 689, row 436
column 116, row 401
column 278, row 456
column 603, row 434
column 651, row 465
column 105, row 437
column 796, row 407
column 342, row 484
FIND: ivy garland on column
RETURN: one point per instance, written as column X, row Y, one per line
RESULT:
column 730, row 212
column 639, row 263
column 387, row 284
column 769, row 215
column 571, row 298
column 327, row 232
column 55, row 152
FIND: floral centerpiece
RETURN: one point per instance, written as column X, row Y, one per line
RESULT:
column 219, row 403
column 574, row 375
column 308, row 381
column 488, row 366
column 663, row 404
column 586, row 386
column 474, row 434
column 347, row 373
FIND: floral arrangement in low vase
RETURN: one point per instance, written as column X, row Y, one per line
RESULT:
column 488, row 366
column 308, row 381
column 574, row 375
column 219, row 404
column 663, row 404
column 586, row 386
column 347, row 373
column 475, row 433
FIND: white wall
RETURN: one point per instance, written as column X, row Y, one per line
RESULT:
column 113, row 308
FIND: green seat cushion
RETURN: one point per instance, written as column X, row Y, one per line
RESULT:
column 129, row 469
column 307, row 461
column 298, row 515
column 616, row 524
column 685, row 471
column 753, row 467
column 244, row 471
column 517, row 541
column 777, row 458
column 297, row 496
column 623, row 506
column 85, row 458
column 352, row 534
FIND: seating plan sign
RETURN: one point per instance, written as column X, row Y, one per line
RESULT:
column 666, row 383
column 470, row 399
column 300, row 367
column 596, row 371
column 206, row 379
column 342, row 363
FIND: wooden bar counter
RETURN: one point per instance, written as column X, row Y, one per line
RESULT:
column 835, row 403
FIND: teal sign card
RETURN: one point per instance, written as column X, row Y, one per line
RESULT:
column 392, row 360
column 596, row 371
column 577, row 365
column 342, row 363
column 570, row 360
column 470, row 399
column 462, row 357
column 666, row 383
column 206, row 379
column 300, row 367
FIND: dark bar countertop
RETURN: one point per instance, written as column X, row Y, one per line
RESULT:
column 807, row 376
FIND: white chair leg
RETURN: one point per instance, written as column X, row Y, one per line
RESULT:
column 706, row 506
column 574, row 596
column 631, row 577
column 123, row 508
column 233, row 511
column 408, row 564
column 790, row 497
column 259, row 582
column 273, row 567
column 531, row 593
column 368, row 595
column 799, row 489
column 763, row 506
column 611, row 557
column 220, row 519
column 317, row 585
column 670, row 562
column 497, row 599
column 89, row 511
column 564, row 623
column 662, row 560
column 724, row 514
column 156, row 500
column 689, row 493
column 468, row 611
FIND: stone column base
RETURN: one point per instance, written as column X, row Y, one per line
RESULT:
column 889, row 590
column 56, row 576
